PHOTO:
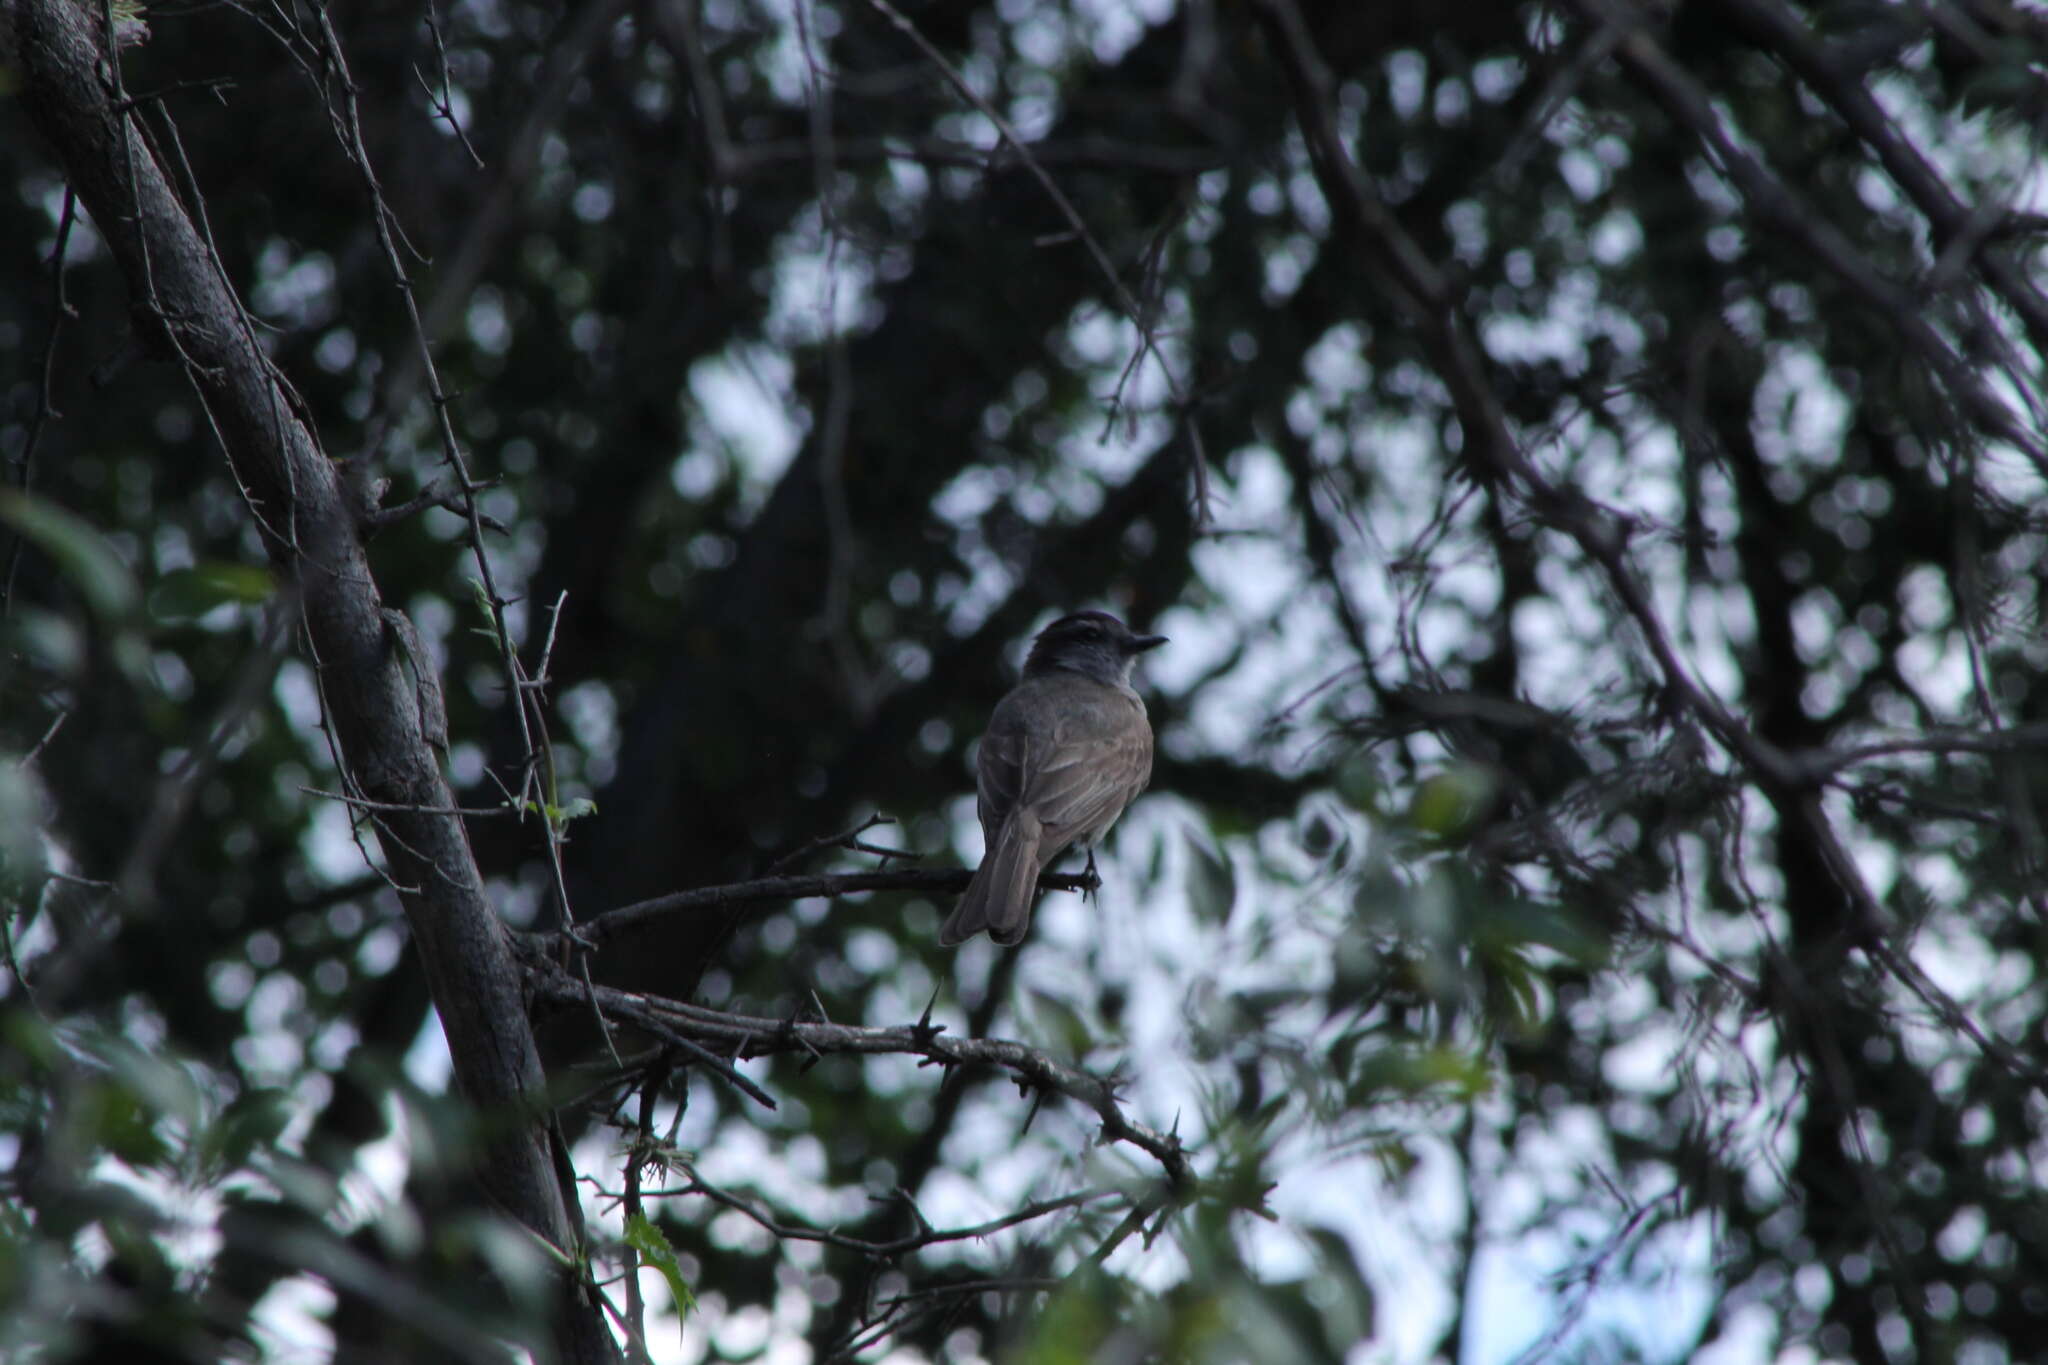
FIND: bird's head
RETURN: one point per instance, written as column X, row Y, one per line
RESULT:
column 1088, row 642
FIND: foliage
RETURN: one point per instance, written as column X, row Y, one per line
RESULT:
column 1587, row 457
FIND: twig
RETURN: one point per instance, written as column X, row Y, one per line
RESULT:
column 443, row 107
column 435, row 494
column 925, row 1236
column 49, row 734
column 46, row 403
column 769, row 890
column 363, row 803
column 847, row 839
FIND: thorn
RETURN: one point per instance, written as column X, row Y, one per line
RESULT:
column 1037, row 1102
column 924, row 1030
column 788, row 1033
column 924, row 1228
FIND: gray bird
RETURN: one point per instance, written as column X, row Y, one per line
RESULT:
column 1064, row 754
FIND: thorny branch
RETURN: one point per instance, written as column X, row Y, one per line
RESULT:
column 741, row 1037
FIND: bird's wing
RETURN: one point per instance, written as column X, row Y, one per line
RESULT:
column 999, row 768
column 1097, row 761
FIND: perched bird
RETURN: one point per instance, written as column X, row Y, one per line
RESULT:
column 1064, row 754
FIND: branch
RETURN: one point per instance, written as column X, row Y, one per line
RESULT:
column 1687, row 104
column 1148, row 339
column 1093, row 153
column 1423, row 294
column 1826, row 765
column 880, row 1250
column 1953, row 223
column 771, row 890
column 847, row 839
column 71, row 88
column 742, row 1036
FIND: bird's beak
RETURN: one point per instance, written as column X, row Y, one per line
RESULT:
column 1141, row 643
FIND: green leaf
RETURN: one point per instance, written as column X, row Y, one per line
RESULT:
column 1212, row 882
column 1449, row 804
column 80, row 552
column 22, row 862
column 1061, row 1023
column 1347, row 1314
column 576, row 809
column 254, row 1120
column 1396, row 1159
column 1358, row 784
column 114, row 1117
column 186, row 593
column 160, row 1084
column 303, row 1184
column 1559, row 930
column 1261, row 1004
column 1416, row 1070
column 1275, row 1321
column 32, row 1039
column 1516, row 979
column 1074, row 1322
column 652, row 1244
column 2003, row 78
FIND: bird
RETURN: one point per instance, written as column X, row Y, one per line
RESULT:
column 1064, row 753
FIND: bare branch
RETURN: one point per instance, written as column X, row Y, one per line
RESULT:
column 771, row 890
column 847, row 839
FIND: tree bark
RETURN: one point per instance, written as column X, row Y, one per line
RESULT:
column 308, row 517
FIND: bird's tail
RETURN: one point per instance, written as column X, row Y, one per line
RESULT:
column 999, row 898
